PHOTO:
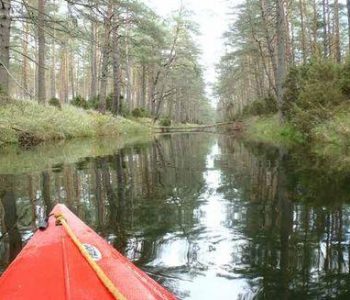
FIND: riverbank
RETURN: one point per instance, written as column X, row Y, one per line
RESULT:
column 329, row 140
column 335, row 131
column 267, row 129
column 29, row 123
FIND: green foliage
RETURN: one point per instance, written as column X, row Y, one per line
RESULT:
column 55, row 102
column 336, row 130
column 316, row 105
column 265, row 106
column 124, row 110
column 4, row 100
column 293, row 85
column 311, row 94
column 140, row 112
column 94, row 102
column 165, row 122
column 345, row 78
column 79, row 101
column 109, row 102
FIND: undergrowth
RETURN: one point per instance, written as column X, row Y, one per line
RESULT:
column 268, row 129
column 52, row 123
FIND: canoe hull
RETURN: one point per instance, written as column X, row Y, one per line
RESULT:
column 52, row 267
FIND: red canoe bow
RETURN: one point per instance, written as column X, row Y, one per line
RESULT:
column 51, row 266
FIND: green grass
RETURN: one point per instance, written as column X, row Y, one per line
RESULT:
column 336, row 131
column 51, row 123
column 331, row 139
column 268, row 129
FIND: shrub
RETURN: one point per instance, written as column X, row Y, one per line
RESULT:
column 94, row 102
column 55, row 102
column 79, row 101
column 140, row 112
column 345, row 79
column 319, row 94
column 293, row 86
column 265, row 106
column 125, row 111
column 109, row 102
column 166, row 122
column 4, row 99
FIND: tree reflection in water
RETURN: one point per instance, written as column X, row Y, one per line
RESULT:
column 209, row 217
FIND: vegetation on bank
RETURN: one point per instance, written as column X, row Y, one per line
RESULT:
column 334, row 133
column 29, row 122
column 268, row 129
column 120, row 57
column 316, row 107
column 302, row 74
column 329, row 148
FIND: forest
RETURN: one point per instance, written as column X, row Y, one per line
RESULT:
column 118, row 57
column 203, row 187
column 287, row 63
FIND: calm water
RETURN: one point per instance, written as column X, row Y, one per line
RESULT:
column 207, row 216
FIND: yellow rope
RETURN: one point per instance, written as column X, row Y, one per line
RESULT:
column 100, row 273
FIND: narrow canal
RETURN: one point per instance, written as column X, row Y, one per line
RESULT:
column 207, row 216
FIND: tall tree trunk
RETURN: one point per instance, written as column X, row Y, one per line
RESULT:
column 329, row 30
column 314, row 28
column 348, row 7
column 337, row 32
column 53, row 59
column 288, row 39
column 41, row 52
column 25, row 65
column 53, row 71
column 143, row 86
column 64, row 79
column 116, row 103
column 93, row 58
column 71, row 74
column 303, row 38
column 292, row 39
column 128, row 99
column 281, row 53
column 5, row 28
column 269, row 40
column 105, row 59
column 36, row 71
column 325, row 28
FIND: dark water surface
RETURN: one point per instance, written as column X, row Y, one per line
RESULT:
column 207, row 216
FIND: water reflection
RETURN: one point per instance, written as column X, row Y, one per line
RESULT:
column 208, row 217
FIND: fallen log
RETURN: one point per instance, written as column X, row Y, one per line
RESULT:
column 26, row 139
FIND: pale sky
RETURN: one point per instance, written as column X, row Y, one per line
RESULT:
column 211, row 15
